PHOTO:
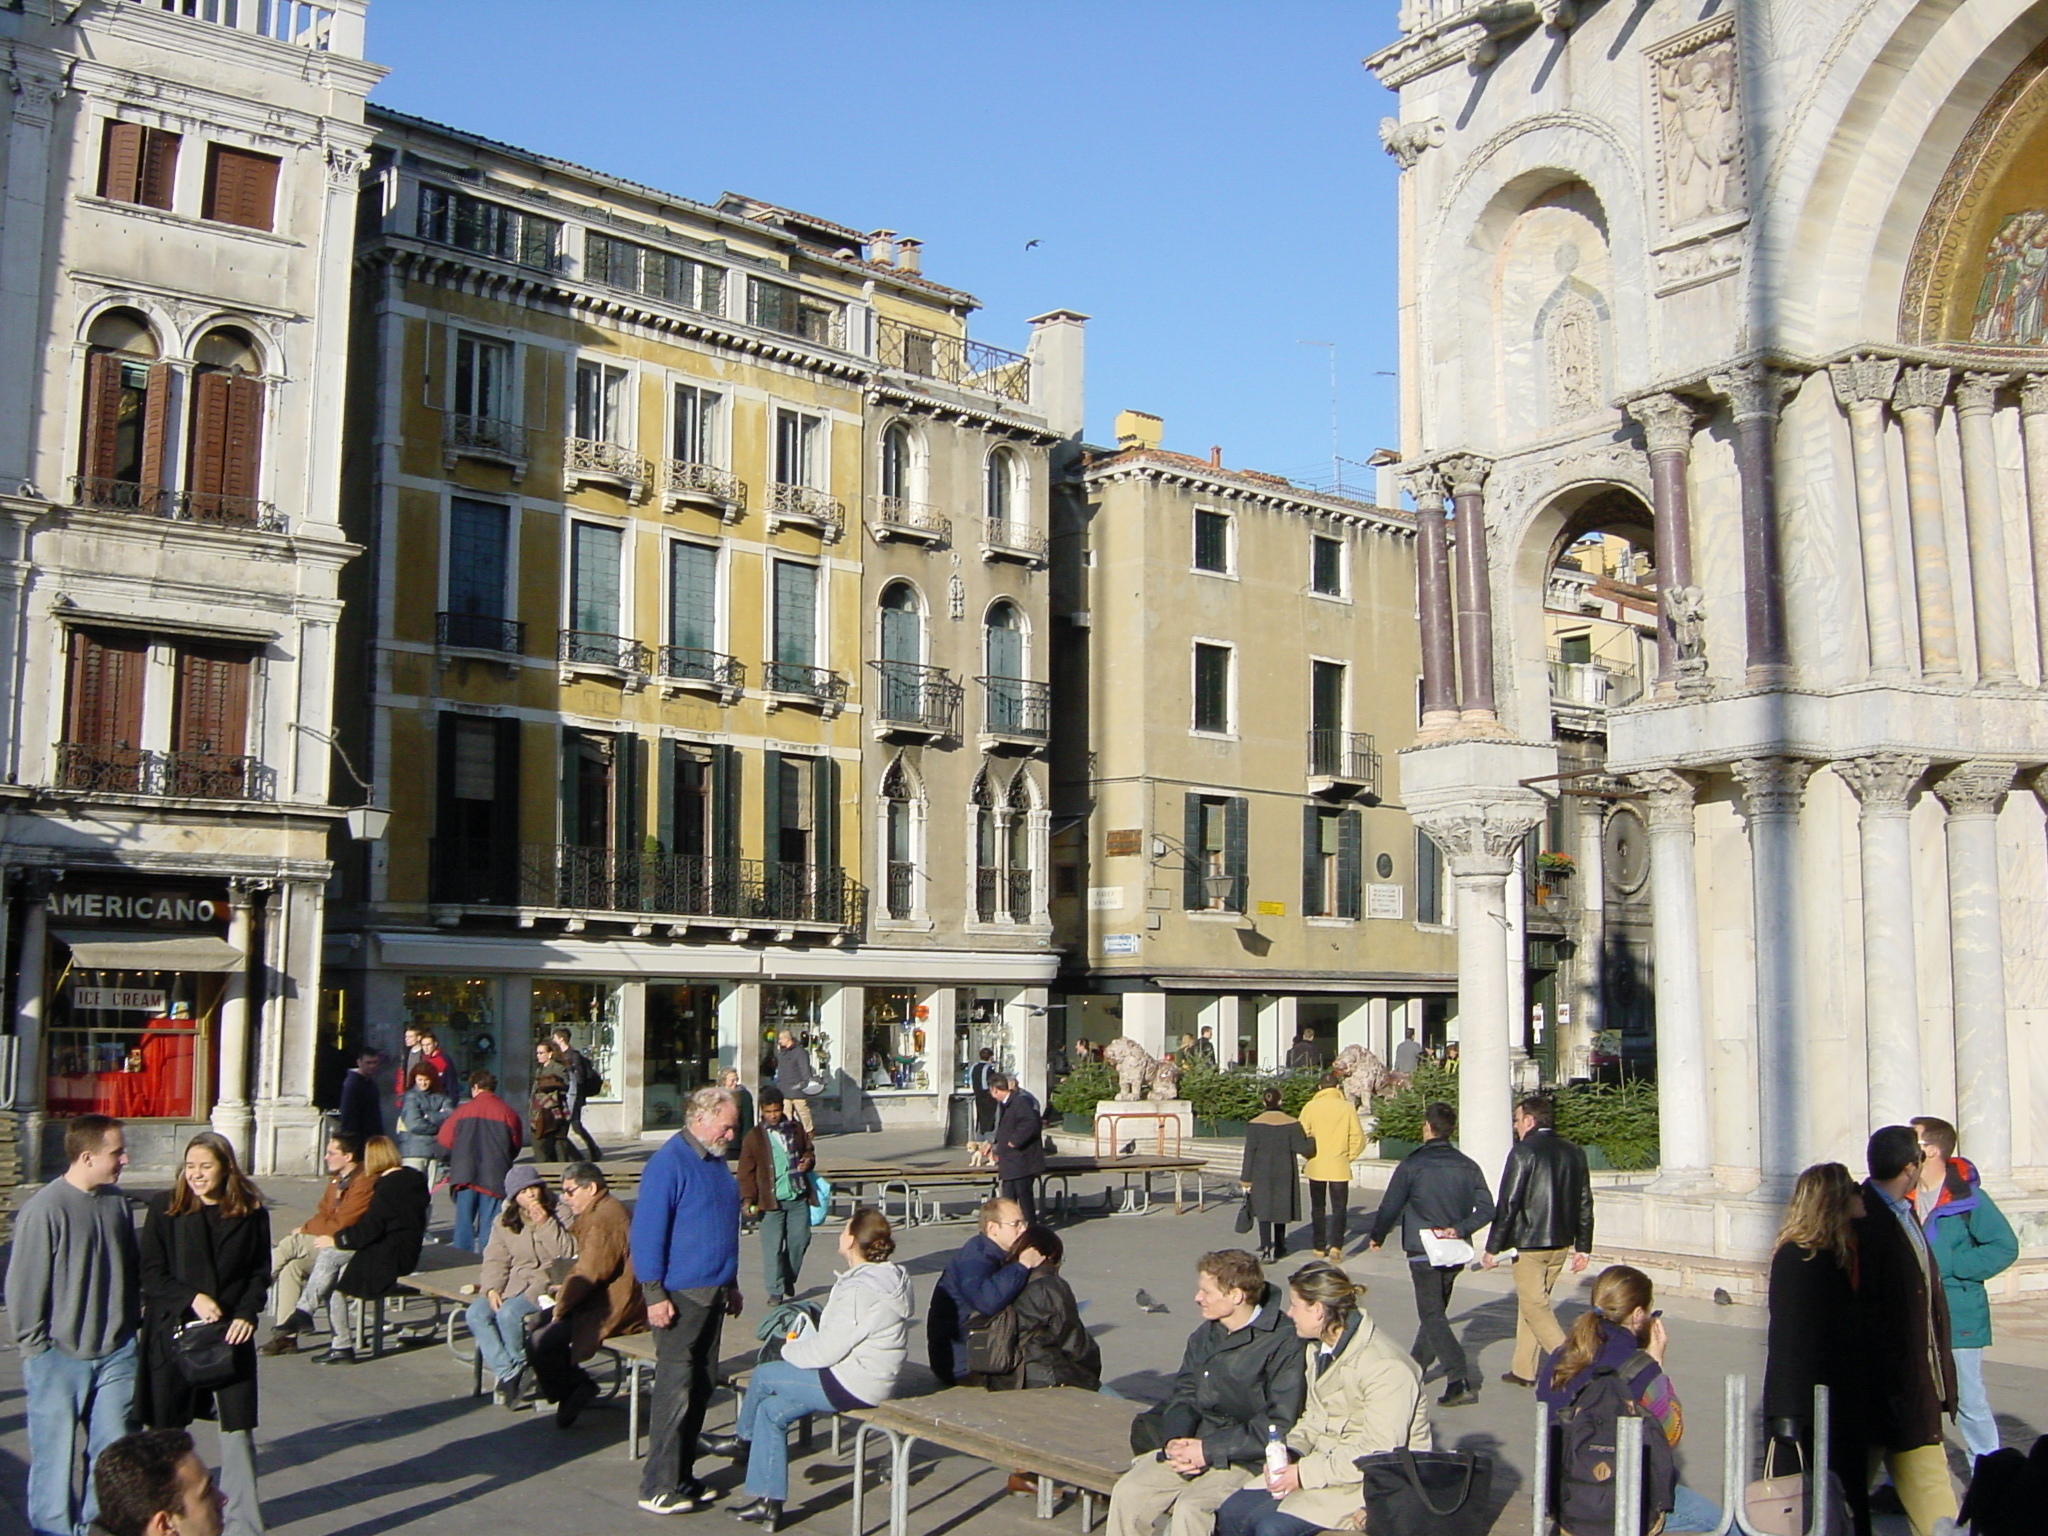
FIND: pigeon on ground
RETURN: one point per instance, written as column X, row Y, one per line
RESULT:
column 1147, row 1302
column 1722, row 1298
column 1129, row 1147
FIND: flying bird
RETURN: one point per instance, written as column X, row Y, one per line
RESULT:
column 1029, row 244
column 1147, row 1302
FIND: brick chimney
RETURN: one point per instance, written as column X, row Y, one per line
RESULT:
column 1057, row 354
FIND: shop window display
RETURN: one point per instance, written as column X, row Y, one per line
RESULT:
column 589, row 1010
column 978, row 1026
column 795, row 1009
column 133, row 1044
column 682, row 1048
column 893, row 1042
column 462, row 1012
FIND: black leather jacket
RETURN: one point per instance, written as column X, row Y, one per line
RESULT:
column 1232, row 1386
column 1546, row 1197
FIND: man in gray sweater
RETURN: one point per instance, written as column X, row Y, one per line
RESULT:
column 74, row 1296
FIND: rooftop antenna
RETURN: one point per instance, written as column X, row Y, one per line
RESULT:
column 1336, row 463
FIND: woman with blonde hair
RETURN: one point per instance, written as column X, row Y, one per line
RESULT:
column 1811, row 1337
column 1364, row 1397
column 1621, row 1326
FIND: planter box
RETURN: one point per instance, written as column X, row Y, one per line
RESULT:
column 1393, row 1148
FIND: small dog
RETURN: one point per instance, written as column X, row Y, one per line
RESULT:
column 981, row 1154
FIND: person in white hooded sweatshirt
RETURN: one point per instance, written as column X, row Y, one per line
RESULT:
column 851, row 1359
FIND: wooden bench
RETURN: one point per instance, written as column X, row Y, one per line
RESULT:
column 455, row 1288
column 1060, row 1434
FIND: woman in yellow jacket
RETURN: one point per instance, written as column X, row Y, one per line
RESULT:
column 1333, row 1125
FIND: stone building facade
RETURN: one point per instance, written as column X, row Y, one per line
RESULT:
column 174, row 253
column 1770, row 279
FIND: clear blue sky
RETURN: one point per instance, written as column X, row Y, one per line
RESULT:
column 1204, row 176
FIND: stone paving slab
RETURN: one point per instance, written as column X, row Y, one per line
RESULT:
column 397, row 1445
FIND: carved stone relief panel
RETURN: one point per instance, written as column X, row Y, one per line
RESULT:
column 1699, row 130
column 1554, row 333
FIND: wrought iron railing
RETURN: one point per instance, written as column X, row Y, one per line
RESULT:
column 954, row 360
column 820, row 683
column 485, row 435
column 917, row 698
column 215, row 776
column 1348, row 756
column 586, row 456
column 1015, row 707
column 902, row 891
column 894, row 517
column 988, row 887
column 588, row 648
column 196, row 775
column 689, row 664
column 480, row 632
column 1020, row 883
column 103, row 494
column 678, row 885
column 803, row 503
column 682, row 478
column 1007, row 536
column 104, row 770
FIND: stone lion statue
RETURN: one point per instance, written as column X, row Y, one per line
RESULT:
column 1134, row 1066
column 1363, row 1073
column 1165, row 1080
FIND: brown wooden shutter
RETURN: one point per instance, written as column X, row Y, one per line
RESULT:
column 212, row 710
column 207, row 473
column 156, row 410
column 121, row 161
column 241, row 188
column 158, row 177
column 243, row 436
column 105, row 704
column 102, row 416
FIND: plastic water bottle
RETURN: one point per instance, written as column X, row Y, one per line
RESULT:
column 1276, row 1458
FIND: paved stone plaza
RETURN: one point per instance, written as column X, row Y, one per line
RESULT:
column 397, row 1445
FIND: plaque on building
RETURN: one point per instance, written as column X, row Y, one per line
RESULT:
column 1123, row 842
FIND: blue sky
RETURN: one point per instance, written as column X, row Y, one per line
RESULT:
column 1204, row 176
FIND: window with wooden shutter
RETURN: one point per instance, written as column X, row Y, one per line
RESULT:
column 138, row 164
column 103, row 712
column 1350, row 864
column 211, row 712
column 104, row 385
column 227, row 433
column 241, row 187
column 1236, row 850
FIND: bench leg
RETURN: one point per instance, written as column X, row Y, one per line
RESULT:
column 1088, row 1514
column 805, row 1436
column 899, row 1487
column 1048, row 1496
column 838, row 1448
column 633, row 1409
column 860, row 1476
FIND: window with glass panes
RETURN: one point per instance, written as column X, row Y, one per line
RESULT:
column 478, row 546
column 594, row 552
column 1212, row 687
column 796, row 613
column 1212, row 542
column 1326, row 565
column 473, row 224
column 776, row 307
column 600, row 403
column 1332, row 862
column 693, row 596
column 696, row 427
column 483, row 372
column 797, row 456
column 658, row 274
column 1216, row 836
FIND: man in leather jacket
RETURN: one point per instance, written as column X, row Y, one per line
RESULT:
column 1545, row 1213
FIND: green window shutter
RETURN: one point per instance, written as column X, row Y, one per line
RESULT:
column 1237, row 850
column 1429, row 879
column 1312, row 862
column 725, row 802
column 1350, row 864
column 594, row 578
column 693, row 596
column 1193, row 896
column 771, row 807
column 505, row 814
column 665, row 795
column 825, row 815
column 572, row 781
column 796, row 613
column 626, row 794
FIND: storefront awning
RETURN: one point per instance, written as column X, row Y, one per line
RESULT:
column 106, row 951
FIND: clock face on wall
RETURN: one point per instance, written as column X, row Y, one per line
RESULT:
column 1625, row 847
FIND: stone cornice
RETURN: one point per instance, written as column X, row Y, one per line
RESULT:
column 1471, row 37
column 1383, row 519
column 990, row 419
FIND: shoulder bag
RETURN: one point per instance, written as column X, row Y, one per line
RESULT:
column 1776, row 1504
column 1427, row 1493
column 205, row 1357
column 992, row 1343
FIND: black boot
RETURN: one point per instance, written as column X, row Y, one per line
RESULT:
column 732, row 1447
column 763, row 1512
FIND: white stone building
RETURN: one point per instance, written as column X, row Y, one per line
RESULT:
column 1770, row 280
column 175, row 241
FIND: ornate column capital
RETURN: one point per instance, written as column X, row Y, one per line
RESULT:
column 1923, row 388
column 1407, row 142
column 1882, row 782
column 345, row 166
column 1671, row 796
column 1756, row 389
column 1479, row 839
column 1668, row 421
column 1976, row 788
column 1427, row 486
column 1466, row 473
column 1772, row 786
column 1864, row 380
column 2034, row 394
column 1977, row 394
column 35, row 94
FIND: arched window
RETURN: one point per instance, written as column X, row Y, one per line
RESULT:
column 221, row 473
column 999, row 491
column 1019, row 882
column 899, row 839
column 897, row 451
column 988, row 849
column 902, row 655
column 127, row 406
column 1003, row 657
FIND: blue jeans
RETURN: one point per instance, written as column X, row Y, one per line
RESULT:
column 785, row 1239
column 778, row 1395
column 1255, row 1512
column 474, row 1213
column 1692, row 1512
column 1974, row 1419
column 66, row 1394
column 501, row 1335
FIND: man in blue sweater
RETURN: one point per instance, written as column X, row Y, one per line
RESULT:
column 980, row 1280
column 686, row 1256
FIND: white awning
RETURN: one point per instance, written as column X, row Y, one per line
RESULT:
column 101, row 950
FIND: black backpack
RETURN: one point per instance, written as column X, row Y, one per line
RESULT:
column 2008, row 1492
column 1583, row 1453
column 589, row 1081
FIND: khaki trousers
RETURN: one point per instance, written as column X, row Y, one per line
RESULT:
column 1152, row 1487
column 291, row 1261
column 1921, row 1476
column 1536, row 1326
column 801, row 1108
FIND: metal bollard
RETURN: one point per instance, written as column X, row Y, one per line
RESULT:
column 1541, row 1503
column 1628, row 1476
column 1819, row 1507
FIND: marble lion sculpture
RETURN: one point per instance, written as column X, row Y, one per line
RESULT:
column 1363, row 1073
column 1134, row 1066
column 1165, row 1080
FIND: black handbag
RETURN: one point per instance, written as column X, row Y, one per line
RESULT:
column 1244, row 1214
column 1427, row 1493
column 992, row 1343
column 205, row 1357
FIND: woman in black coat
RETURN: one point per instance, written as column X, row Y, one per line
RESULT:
column 206, row 1258
column 1053, row 1348
column 1270, row 1176
column 1811, row 1339
column 384, row 1243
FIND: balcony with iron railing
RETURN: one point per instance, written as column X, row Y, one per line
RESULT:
column 1007, row 539
column 1016, row 712
column 892, row 517
column 804, row 506
column 915, row 701
column 1002, row 894
column 953, row 360
column 790, row 682
column 191, row 774
column 1343, row 762
column 210, row 508
column 486, row 439
column 587, row 649
column 335, row 26
column 479, row 632
column 586, row 461
column 1592, row 687
column 901, row 896
column 704, row 485
column 689, row 668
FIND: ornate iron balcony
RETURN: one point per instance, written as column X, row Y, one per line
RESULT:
column 916, row 700
column 478, row 632
column 483, row 437
column 1015, row 709
column 685, row 481
column 894, row 518
column 108, row 495
column 807, row 505
column 115, row 770
column 216, row 776
column 1005, row 539
column 953, row 360
column 688, row 664
column 659, row 884
column 1019, row 881
column 902, row 889
column 1344, row 758
column 587, row 648
column 194, row 775
column 586, row 459
column 820, row 683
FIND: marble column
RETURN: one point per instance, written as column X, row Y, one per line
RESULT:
column 30, row 1009
column 1772, row 788
column 1984, row 518
column 1684, row 1085
column 24, row 227
column 1145, row 1020
column 1433, row 605
column 1668, row 422
column 1477, row 714
column 1756, row 392
column 1972, row 794
column 1029, row 1018
column 1884, row 784
column 1479, row 842
column 1918, row 399
column 232, row 1116
column 2034, row 433
column 1863, row 385
column 1279, row 1021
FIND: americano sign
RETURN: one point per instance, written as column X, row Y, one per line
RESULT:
column 159, row 907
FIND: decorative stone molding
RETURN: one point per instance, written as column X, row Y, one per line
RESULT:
column 1975, row 788
column 1479, row 840
column 1466, row 473
column 35, row 95
column 1923, row 388
column 1772, row 786
column 1427, row 486
column 1977, row 394
column 1559, row 16
column 1407, row 142
column 1882, row 782
column 1699, row 131
column 1671, row 796
column 2034, row 394
column 1688, row 263
column 345, row 167
column 1756, row 389
column 1863, row 380
column 1668, row 421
